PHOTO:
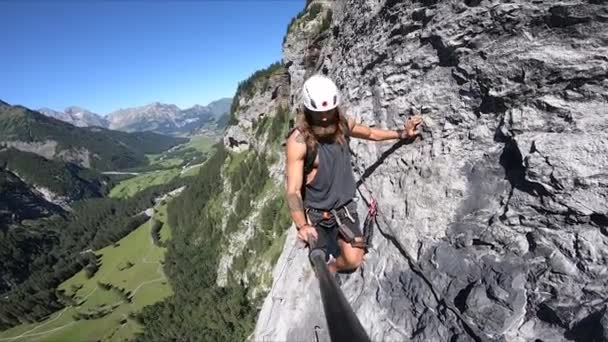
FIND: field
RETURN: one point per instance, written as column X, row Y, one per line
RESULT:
column 129, row 278
column 181, row 161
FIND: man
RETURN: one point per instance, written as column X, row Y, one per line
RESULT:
column 320, row 184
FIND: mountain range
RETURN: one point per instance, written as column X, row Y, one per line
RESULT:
column 90, row 147
column 76, row 116
column 156, row 116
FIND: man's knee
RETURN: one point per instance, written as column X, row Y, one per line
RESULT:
column 354, row 259
column 354, row 262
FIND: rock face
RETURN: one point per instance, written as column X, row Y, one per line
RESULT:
column 268, row 94
column 493, row 225
column 260, row 118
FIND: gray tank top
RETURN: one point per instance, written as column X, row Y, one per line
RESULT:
column 334, row 184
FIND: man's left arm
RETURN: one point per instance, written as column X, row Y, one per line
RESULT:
column 409, row 131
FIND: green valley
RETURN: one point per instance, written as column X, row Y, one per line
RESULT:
column 179, row 162
column 130, row 276
column 97, row 294
column 52, row 201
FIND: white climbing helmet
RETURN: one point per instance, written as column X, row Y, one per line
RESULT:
column 320, row 93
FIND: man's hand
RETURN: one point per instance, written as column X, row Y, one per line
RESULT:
column 411, row 127
column 305, row 231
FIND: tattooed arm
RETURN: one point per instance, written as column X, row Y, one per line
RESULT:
column 294, row 172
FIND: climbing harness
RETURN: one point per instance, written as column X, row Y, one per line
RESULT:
column 368, row 224
column 345, row 230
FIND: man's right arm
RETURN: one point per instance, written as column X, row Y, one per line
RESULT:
column 294, row 172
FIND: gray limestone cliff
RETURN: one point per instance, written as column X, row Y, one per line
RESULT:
column 493, row 225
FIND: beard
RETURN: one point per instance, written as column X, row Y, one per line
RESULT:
column 324, row 132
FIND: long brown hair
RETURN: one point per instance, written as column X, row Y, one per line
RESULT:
column 304, row 126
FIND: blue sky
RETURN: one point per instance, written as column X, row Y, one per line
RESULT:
column 106, row 55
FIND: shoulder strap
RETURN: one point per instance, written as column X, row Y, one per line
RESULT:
column 309, row 160
column 346, row 128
